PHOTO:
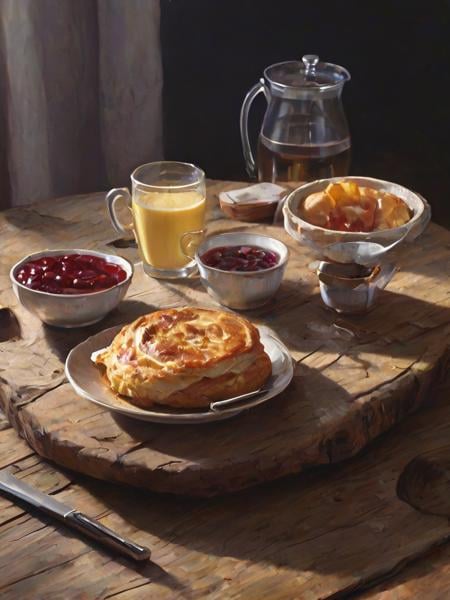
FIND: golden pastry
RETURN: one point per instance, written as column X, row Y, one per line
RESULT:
column 185, row 357
column 345, row 206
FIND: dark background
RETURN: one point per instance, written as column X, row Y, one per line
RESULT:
column 397, row 103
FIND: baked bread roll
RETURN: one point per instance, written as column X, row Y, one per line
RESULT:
column 185, row 358
column 346, row 206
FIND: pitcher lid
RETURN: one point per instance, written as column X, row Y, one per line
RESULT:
column 308, row 74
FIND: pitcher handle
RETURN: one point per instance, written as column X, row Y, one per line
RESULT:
column 112, row 197
column 246, row 148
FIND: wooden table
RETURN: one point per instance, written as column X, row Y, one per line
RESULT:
column 331, row 531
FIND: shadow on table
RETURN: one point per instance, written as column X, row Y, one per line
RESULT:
column 338, row 520
column 416, row 578
column 30, row 219
column 322, row 521
column 221, row 446
column 61, row 341
column 397, row 326
column 148, row 570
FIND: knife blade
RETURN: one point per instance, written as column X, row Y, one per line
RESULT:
column 71, row 517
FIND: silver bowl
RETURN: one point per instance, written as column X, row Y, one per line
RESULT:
column 242, row 289
column 352, row 288
column 71, row 310
column 319, row 238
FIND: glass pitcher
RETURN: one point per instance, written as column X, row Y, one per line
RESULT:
column 304, row 135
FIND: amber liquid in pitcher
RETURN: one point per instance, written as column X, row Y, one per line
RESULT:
column 287, row 162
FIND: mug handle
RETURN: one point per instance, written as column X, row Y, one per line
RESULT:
column 112, row 197
column 190, row 241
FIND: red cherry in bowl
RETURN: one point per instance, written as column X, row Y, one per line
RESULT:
column 70, row 274
column 240, row 258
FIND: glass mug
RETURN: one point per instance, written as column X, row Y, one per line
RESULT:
column 167, row 200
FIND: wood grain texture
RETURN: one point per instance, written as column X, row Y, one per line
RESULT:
column 323, row 535
column 354, row 377
column 425, row 579
column 425, row 482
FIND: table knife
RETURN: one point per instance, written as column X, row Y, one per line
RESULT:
column 71, row 517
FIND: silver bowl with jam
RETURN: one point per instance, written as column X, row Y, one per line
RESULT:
column 72, row 307
column 243, row 285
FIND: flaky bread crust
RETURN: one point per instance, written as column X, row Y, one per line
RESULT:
column 185, row 357
column 207, row 390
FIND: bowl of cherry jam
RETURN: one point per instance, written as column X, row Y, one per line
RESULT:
column 242, row 270
column 71, row 288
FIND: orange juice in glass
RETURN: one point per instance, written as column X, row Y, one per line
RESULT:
column 167, row 201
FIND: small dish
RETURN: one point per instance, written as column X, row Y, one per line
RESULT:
column 352, row 288
column 71, row 310
column 257, row 202
column 318, row 237
column 263, row 211
column 88, row 382
column 242, row 290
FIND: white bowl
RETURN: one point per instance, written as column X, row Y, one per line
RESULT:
column 242, row 290
column 71, row 310
column 318, row 237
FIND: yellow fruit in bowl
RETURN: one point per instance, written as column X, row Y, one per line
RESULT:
column 392, row 212
column 346, row 206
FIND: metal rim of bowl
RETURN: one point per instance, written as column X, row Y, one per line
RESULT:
column 374, row 271
column 282, row 262
column 58, row 252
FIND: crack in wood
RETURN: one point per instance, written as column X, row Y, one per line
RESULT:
column 44, row 526
column 126, row 589
column 384, row 384
column 105, row 438
column 14, row 463
column 344, row 526
column 23, row 403
column 20, row 515
column 334, row 361
column 138, row 446
column 41, row 571
column 303, row 358
column 365, row 583
column 60, row 489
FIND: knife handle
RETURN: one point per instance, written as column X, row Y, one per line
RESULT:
column 106, row 536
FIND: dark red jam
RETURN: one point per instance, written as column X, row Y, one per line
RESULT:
column 70, row 274
column 240, row 258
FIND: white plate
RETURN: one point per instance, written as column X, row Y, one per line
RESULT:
column 88, row 382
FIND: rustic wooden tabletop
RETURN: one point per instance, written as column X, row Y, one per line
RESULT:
column 326, row 533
